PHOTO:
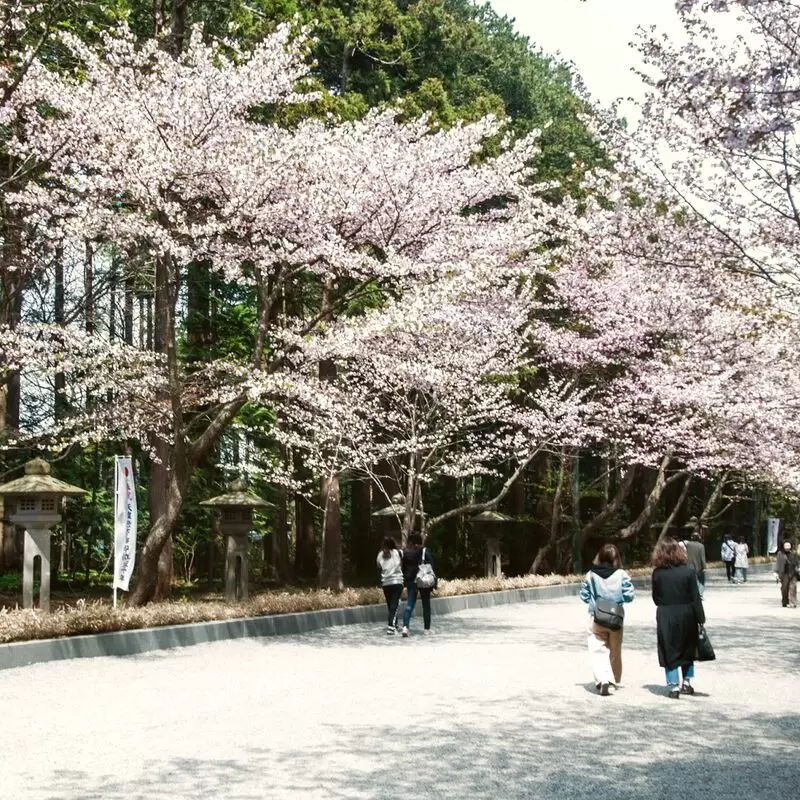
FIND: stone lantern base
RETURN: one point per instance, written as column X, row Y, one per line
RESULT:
column 37, row 543
column 236, row 569
column 494, row 567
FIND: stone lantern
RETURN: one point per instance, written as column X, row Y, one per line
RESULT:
column 490, row 524
column 35, row 502
column 395, row 510
column 235, row 523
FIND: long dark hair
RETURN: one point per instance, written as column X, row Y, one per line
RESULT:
column 608, row 554
column 669, row 553
column 388, row 546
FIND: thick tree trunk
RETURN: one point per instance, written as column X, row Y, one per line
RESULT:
column 147, row 584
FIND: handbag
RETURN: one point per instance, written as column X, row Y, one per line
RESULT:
column 607, row 613
column 426, row 577
column 705, row 650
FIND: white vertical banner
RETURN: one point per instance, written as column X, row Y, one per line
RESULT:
column 125, row 521
column 773, row 526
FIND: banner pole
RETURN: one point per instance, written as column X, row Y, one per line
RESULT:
column 116, row 500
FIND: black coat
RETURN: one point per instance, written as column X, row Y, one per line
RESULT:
column 679, row 611
column 412, row 558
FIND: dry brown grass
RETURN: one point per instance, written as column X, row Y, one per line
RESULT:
column 98, row 617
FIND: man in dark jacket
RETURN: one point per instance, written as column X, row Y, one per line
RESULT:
column 696, row 551
column 786, row 567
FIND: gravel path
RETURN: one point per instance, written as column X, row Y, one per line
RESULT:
column 497, row 704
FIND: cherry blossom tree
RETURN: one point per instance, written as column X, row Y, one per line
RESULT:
column 430, row 385
column 719, row 125
column 160, row 154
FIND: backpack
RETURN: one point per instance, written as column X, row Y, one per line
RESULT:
column 426, row 577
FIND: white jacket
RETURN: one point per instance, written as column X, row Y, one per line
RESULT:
column 391, row 568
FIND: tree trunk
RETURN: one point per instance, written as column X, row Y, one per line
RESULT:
column 60, row 382
column 305, row 548
column 330, row 567
column 555, row 519
column 362, row 547
column 653, row 499
column 162, row 468
column 10, row 313
column 668, row 523
column 161, row 529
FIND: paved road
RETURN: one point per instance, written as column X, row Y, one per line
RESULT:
column 497, row 704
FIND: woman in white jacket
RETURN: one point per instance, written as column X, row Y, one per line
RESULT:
column 608, row 581
column 390, row 563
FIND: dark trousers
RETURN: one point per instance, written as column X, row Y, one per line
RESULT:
column 788, row 589
column 730, row 570
column 425, row 596
column 392, row 595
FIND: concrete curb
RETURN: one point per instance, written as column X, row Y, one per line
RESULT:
column 132, row 642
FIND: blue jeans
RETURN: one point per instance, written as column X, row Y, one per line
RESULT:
column 425, row 596
column 674, row 675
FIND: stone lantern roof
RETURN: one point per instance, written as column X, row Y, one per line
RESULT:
column 38, row 480
column 397, row 508
column 491, row 516
column 237, row 496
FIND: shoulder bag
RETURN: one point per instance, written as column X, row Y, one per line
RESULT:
column 426, row 578
column 607, row 613
column 705, row 651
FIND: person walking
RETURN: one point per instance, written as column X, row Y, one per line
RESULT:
column 414, row 555
column 728, row 554
column 742, row 551
column 696, row 553
column 787, row 566
column 390, row 563
column 608, row 581
column 679, row 611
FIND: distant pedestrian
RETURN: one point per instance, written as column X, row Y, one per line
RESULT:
column 787, row 566
column 390, row 563
column 742, row 551
column 696, row 553
column 679, row 611
column 414, row 555
column 728, row 554
column 606, row 580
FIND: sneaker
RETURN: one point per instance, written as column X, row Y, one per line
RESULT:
column 427, row 632
column 405, row 631
column 604, row 690
column 390, row 631
column 674, row 692
column 687, row 688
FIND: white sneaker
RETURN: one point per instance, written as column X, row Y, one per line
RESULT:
column 427, row 632
column 405, row 631
column 390, row 631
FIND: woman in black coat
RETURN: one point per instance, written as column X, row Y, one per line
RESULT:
column 678, row 614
